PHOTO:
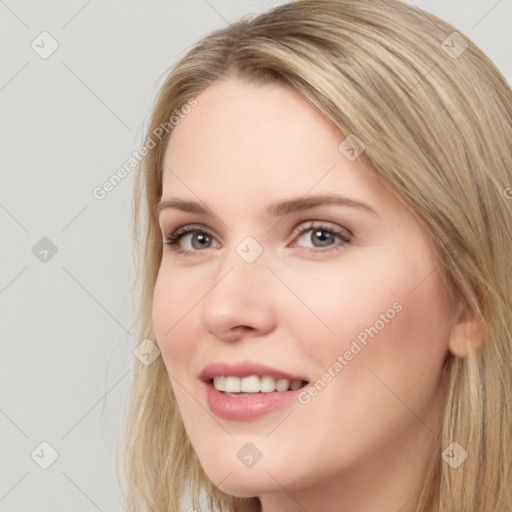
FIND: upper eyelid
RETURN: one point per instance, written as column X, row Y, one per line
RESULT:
column 199, row 226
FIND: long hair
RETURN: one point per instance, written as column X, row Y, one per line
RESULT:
column 435, row 116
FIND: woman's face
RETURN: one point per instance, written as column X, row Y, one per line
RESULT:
column 346, row 296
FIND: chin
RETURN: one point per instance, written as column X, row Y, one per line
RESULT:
column 242, row 482
column 250, row 490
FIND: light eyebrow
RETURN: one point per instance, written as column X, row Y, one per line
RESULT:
column 275, row 209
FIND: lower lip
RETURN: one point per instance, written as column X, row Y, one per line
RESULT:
column 247, row 407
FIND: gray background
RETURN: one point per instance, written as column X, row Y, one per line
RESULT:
column 67, row 123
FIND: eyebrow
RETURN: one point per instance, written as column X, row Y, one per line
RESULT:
column 275, row 209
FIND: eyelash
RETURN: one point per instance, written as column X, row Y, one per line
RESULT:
column 173, row 239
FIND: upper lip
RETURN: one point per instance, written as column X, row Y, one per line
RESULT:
column 245, row 369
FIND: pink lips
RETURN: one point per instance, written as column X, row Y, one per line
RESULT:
column 245, row 407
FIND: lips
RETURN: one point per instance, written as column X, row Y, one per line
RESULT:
column 246, row 406
column 245, row 369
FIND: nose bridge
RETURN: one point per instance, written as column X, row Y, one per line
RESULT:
column 242, row 271
column 244, row 253
column 240, row 293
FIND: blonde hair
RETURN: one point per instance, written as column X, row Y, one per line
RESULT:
column 436, row 120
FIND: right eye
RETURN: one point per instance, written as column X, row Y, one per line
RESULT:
column 174, row 240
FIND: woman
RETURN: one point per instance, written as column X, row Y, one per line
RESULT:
column 326, row 269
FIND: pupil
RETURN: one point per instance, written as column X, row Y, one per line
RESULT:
column 323, row 235
column 201, row 237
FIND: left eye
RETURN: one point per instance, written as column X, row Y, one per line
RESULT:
column 324, row 235
column 200, row 239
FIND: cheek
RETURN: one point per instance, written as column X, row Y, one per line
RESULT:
column 174, row 318
column 389, row 313
column 336, row 302
column 392, row 338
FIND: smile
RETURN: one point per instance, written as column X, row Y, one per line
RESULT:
column 254, row 384
column 246, row 406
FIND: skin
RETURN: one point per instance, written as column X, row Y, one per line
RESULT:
column 362, row 444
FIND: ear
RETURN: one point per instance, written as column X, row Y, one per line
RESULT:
column 467, row 333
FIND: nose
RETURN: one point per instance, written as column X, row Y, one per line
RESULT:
column 240, row 300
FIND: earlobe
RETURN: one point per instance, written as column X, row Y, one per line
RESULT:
column 467, row 333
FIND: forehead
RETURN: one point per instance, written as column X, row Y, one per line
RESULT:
column 251, row 126
column 250, row 141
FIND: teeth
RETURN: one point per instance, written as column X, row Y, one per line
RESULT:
column 232, row 384
column 282, row 385
column 249, row 384
column 254, row 384
column 266, row 384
